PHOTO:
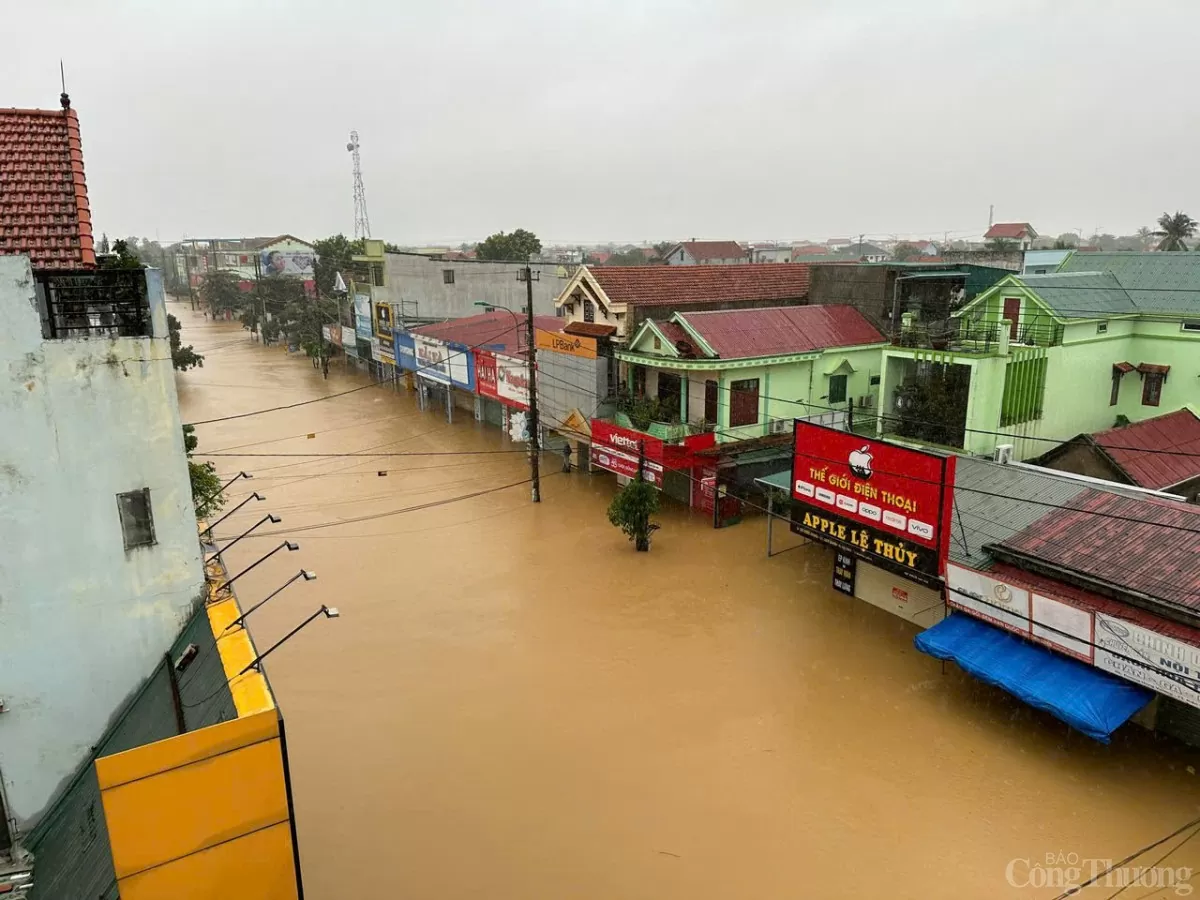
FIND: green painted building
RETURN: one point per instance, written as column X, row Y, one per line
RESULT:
column 748, row 373
column 1037, row 359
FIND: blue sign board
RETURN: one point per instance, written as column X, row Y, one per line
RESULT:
column 406, row 354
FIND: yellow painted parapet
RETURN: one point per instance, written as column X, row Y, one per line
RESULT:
column 207, row 813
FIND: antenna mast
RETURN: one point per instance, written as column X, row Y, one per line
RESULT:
column 362, row 224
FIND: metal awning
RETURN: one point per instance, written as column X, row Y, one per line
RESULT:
column 1086, row 698
column 780, row 481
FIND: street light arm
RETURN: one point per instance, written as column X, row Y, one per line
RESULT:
column 330, row 612
column 289, row 544
column 240, row 620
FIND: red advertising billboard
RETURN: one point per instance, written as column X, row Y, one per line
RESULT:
column 485, row 374
column 887, row 504
column 616, row 449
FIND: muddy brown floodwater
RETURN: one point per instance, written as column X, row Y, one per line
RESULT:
column 514, row 704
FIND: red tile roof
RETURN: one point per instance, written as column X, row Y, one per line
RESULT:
column 702, row 250
column 1010, row 230
column 1121, row 542
column 589, row 329
column 747, row 333
column 667, row 285
column 495, row 330
column 1178, row 431
column 599, row 256
column 44, row 211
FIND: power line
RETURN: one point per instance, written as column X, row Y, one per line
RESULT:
column 1132, row 856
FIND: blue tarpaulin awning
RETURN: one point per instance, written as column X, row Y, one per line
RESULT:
column 1086, row 698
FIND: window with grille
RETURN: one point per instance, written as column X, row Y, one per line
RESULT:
column 447, row 276
column 837, row 389
column 1152, row 383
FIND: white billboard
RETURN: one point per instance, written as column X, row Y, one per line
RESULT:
column 292, row 263
column 999, row 603
column 1147, row 658
column 432, row 359
column 512, row 379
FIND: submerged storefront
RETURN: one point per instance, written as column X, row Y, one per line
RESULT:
column 676, row 469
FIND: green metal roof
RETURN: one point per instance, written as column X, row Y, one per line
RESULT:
column 1081, row 295
column 780, row 481
column 1155, row 282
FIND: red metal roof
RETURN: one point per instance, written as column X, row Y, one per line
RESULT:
column 44, row 212
column 495, row 330
column 702, row 250
column 1010, row 230
column 674, row 333
column 747, row 333
column 1178, row 431
column 670, row 285
column 1096, row 538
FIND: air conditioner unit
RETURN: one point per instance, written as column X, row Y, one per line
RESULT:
column 780, row 426
column 866, row 401
column 1004, row 454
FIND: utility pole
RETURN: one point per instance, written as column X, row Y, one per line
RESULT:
column 531, row 358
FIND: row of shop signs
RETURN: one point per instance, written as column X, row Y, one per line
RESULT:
column 890, row 506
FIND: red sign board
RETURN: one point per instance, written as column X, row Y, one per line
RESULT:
column 887, row 504
column 485, row 374
column 616, row 449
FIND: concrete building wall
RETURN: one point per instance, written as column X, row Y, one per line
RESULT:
column 423, row 290
column 568, row 382
column 82, row 619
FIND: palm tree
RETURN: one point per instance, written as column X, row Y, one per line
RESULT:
column 1143, row 235
column 1173, row 229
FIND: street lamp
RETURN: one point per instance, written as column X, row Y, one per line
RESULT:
column 269, row 517
column 291, row 546
column 330, row 612
column 240, row 620
column 255, row 496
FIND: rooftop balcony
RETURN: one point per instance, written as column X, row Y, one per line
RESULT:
column 93, row 303
column 978, row 337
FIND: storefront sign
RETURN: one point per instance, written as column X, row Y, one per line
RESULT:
column 461, row 365
column 362, row 316
column 335, row 335
column 402, row 349
column 382, row 352
column 845, row 569
column 327, row 334
column 986, row 598
column 432, row 358
column 1144, row 657
column 512, row 381
column 884, row 503
column 555, row 342
column 349, row 341
column 617, row 449
column 381, row 316
column 485, row 374
column 899, row 595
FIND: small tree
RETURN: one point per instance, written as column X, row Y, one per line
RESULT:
column 631, row 510
column 905, row 251
column 207, row 495
column 1000, row 245
column 182, row 358
column 221, row 291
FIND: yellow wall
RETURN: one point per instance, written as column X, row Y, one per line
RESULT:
column 202, row 815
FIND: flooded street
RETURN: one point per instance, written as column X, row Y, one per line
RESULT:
column 515, row 704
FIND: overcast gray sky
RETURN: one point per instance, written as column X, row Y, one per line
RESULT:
column 586, row 121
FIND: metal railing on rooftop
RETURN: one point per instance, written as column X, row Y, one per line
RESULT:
column 976, row 337
column 99, row 303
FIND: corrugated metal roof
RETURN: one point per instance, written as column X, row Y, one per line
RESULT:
column 1097, row 539
column 1178, row 431
column 991, row 504
column 495, row 330
column 1156, row 282
column 1082, row 295
column 749, row 333
column 668, row 285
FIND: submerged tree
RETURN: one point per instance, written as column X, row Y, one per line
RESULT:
column 631, row 510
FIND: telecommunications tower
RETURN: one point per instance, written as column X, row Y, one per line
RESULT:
column 362, row 224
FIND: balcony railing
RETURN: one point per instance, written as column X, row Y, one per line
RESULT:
column 665, row 431
column 967, row 336
column 100, row 303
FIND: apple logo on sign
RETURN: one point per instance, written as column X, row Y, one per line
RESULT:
column 860, row 462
